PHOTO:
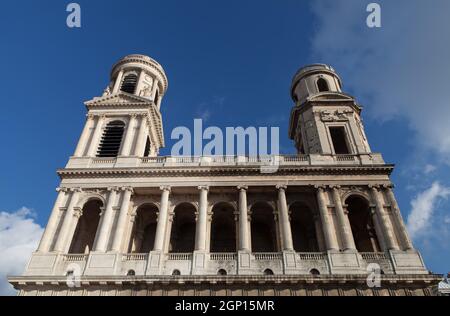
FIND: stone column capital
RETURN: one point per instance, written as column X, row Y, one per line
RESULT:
column 165, row 188
column 113, row 189
column 203, row 188
column 90, row 116
column 242, row 187
column 281, row 187
column 128, row 189
column 62, row 189
column 320, row 187
column 335, row 187
column 77, row 212
column 374, row 187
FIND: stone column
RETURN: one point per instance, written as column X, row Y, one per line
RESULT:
column 140, row 81
column 84, row 138
column 328, row 230
column 69, row 217
column 118, row 82
column 286, row 232
column 319, row 233
column 129, row 136
column 202, row 220
column 50, row 229
column 384, row 220
column 106, row 222
column 154, row 88
column 244, row 236
column 122, row 220
column 141, row 140
column 398, row 219
column 344, row 223
column 162, row 219
column 96, row 137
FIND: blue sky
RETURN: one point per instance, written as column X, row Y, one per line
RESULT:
column 231, row 62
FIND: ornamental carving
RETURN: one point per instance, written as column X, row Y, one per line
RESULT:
column 335, row 116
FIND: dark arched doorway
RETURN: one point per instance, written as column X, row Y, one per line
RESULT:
column 144, row 229
column 263, row 228
column 362, row 225
column 223, row 229
column 182, row 237
column 304, row 235
column 84, row 237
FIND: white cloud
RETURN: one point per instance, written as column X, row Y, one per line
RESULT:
column 19, row 237
column 423, row 208
column 401, row 69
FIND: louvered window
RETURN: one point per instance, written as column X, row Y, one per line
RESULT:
column 111, row 139
column 129, row 83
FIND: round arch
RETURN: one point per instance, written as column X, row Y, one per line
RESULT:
column 144, row 228
column 87, row 226
column 223, row 228
column 86, row 197
column 304, row 235
column 263, row 227
column 182, row 234
column 361, row 223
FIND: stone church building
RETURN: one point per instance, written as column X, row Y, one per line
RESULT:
column 127, row 221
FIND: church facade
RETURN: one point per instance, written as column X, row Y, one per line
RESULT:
column 127, row 221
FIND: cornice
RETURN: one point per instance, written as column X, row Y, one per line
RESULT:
column 221, row 171
column 21, row 282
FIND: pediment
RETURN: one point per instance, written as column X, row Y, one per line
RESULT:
column 120, row 98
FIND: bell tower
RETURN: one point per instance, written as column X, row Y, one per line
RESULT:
column 125, row 122
column 325, row 120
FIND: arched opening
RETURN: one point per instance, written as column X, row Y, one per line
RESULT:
column 223, row 229
column 303, row 228
column 263, row 228
column 314, row 272
column 147, row 148
column 83, row 239
column 176, row 272
column 144, row 229
column 182, row 238
column 156, row 97
column 268, row 272
column 362, row 225
column 131, row 273
column 322, row 85
column 129, row 83
column 111, row 139
column 222, row 272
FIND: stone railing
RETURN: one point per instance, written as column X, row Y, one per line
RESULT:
column 223, row 256
column 135, row 257
column 311, row 256
column 268, row 256
column 96, row 161
column 75, row 257
column 179, row 256
column 374, row 256
column 280, row 160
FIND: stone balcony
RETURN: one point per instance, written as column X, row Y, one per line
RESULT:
column 245, row 161
column 278, row 263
